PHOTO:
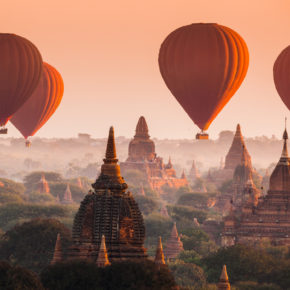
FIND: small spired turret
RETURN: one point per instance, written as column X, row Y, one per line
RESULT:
column 159, row 256
column 224, row 283
column 57, row 254
column 110, row 211
column 43, row 186
column 193, row 173
column 102, row 260
column 174, row 245
column 67, row 197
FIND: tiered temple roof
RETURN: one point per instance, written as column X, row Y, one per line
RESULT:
column 270, row 218
column 43, row 186
column 233, row 158
column 174, row 245
column 109, row 210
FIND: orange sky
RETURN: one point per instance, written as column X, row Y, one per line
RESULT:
column 107, row 53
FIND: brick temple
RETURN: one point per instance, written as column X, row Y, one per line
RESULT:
column 142, row 157
column 108, row 211
column 268, row 218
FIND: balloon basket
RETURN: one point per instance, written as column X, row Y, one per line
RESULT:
column 3, row 130
column 27, row 143
column 201, row 136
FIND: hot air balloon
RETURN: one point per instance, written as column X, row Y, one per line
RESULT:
column 20, row 71
column 203, row 65
column 281, row 72
column 41, row 105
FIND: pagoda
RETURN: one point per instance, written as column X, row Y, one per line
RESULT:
column 102, row 260
column 110, row 211
column 142, row 157
column 193, row 173
column 57, row 254
column 67, row 197
column 43, row 186
column 159, row 256
column 174, row 245
column 224, row 283
column 269, row 218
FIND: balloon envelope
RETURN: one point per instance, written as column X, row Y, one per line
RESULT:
column 203, row 65
column 42, row 103
column 20, row 71
column 281, row 72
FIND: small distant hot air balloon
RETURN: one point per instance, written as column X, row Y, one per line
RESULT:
column 41, row 105
column 20, row 71
column 281, row 72
column 203, row 65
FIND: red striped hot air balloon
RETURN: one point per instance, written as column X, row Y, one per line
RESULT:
column 20, row 71
column 281, row 72
column 42, row 103
column 203, row 65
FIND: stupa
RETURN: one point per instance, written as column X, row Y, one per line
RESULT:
column 67, row 197
column 193, row 173
column 142, row 157
column 269, row 219
column 159, row 256
column 102, row 260
column 43, row 186
column 224, row 283
column 108, row 210
column 57, row 254
column 174, row 245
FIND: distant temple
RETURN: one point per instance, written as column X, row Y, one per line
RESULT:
column 43, row 186
column 267, row 218
column 224, row 283
column 174, row 245
column 193, row 173
column 142, row 157
column 57, row 254
column 67, row 197
column 159, row 256
column 110, row 211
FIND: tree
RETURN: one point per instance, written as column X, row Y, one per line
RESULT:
column 79, row 275
column 18, row 278
column 188, row 275
column 146, row 204
column 31, row 244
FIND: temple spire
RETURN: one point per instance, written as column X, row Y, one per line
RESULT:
column 102, row 260
column 142, row 128
column 57, row 255
column 111, row 148
column 244, row 157
column 183, row 176
column 224, row 283
column 159, row 257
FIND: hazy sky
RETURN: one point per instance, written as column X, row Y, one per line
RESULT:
column 107, row 53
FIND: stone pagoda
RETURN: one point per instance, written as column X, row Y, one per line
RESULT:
column 269, row 218
column 224, row 283
column 110, row 211
column 43, row 186
column 193, row 173
column 174, row 245
column 67, row 197
column 142, row 157
column 102, row 260
column 159, row 256
column 57, row 254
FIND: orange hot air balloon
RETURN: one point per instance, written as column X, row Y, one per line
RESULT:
column 281, row 71
column 203, row 65
column 20, row 71
column 42, row 103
